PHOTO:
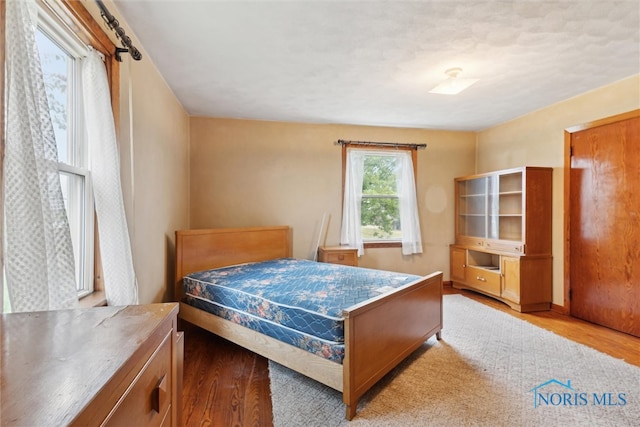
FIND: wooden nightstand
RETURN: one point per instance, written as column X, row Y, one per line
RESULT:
column 338, row 255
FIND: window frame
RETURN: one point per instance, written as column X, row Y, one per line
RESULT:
column 76, row 21
column 373, row 147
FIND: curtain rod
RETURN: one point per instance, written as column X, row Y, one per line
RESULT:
column 381, row 144
column 114, row 25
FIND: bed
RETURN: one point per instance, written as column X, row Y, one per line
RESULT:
column 378, row 333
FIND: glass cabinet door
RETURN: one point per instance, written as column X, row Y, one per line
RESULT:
column 472, row 207
column 493, row 207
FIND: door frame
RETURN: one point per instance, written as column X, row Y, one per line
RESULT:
column 568, row 135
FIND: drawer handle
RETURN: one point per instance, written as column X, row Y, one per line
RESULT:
column 482, row 279
column 341, row 257
column 159, row 394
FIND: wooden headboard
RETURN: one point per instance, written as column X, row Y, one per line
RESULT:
column 198, row 250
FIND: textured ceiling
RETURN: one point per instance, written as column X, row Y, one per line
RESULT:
column 373, row 63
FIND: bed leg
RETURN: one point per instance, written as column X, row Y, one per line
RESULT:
column 439, row 335
column 351, row 410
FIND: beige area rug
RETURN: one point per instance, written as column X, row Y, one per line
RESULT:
column 490, row 369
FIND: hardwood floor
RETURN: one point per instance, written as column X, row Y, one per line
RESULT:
column 223, row 384
column 226, row 385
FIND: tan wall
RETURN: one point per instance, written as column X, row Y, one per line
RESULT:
column 537, row 139
column 252, row 173
column 153, row 139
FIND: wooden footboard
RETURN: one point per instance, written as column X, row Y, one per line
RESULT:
column 379, row 334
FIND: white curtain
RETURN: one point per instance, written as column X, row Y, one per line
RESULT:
column 351, row 207
column 120, row 283
column 408, row 206
column 39, row 263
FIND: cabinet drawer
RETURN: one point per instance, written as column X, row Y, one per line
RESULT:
column 470, row 242
column 505, row 246
column 339, row 256
column 484, row 280
column 148, row 399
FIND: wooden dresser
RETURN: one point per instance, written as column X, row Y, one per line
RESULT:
column 338, row 255
column 103, row 366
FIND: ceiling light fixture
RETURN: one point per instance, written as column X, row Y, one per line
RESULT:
column 453, row 85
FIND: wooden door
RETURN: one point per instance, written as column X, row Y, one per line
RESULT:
column 604, row 223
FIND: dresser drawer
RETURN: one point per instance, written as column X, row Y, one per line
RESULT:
column 148, row 400
column 484, row 280
column 338, row 255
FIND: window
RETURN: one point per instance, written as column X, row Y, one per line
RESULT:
column 59, row 56
column 64, row 31
column 380, row 214
column 379, row 208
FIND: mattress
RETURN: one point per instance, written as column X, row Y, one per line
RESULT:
column 331, row 350
column 296, row 301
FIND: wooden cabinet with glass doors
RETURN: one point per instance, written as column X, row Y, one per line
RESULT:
column 503, row 236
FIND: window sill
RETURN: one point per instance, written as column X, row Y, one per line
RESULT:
column 95, row 299
column 382, row 245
